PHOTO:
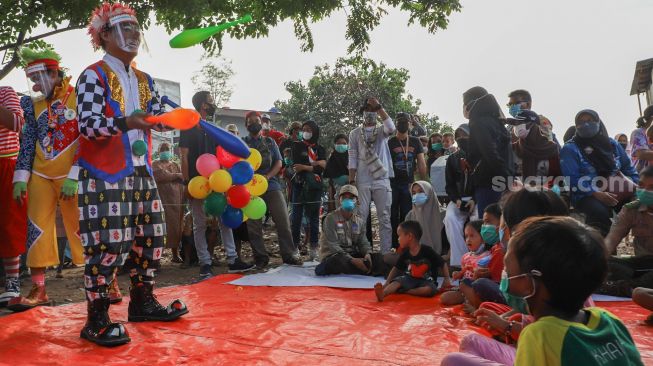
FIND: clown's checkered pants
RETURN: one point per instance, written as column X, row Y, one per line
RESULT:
column 120, row 224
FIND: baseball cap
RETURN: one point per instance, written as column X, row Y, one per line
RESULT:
column 348, row 188
column 265, row 115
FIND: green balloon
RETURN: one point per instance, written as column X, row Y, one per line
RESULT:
column 214, row 204
column 255, row 209
column 139, row 148
column 191, row 37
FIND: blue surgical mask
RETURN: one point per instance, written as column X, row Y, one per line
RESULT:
column 489, row 234
column 588, row 129
column 341, row 148
column 515, row 109
column 348, row 204
column 300, row 135
column 288, row 161
column 645, row 197
column 437, row 146
column 419, row 199
column 516, row 302
column 165, row 155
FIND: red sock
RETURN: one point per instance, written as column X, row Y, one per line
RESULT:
column 11, row 266
column 38, row 279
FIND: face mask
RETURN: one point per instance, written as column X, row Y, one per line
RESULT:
column 402, row 127
column 342, row 148
column 437, row 146
column 548, row 132
column 463, row 143
column 254, row 128
column 645, row 197
column 165, row 155
column 588, row 129
column 516, row 302
column 348, row 204
column 369, row 118
column 370, row 129
column 624, row 146
column 419, row 199
column 515, row 109
column 266, row 126
column 521, row 131
column 480, row 249
column 288, row 161
column 489, row 234
column 210, row 110
column 306, row 136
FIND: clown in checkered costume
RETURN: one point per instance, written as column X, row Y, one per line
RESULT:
column 46, row 169
column 121, row 216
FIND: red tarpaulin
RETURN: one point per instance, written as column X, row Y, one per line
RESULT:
column 265, row 325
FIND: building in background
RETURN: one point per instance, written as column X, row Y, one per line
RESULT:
column 225, row 116
column 642, row 83
column 172, row 90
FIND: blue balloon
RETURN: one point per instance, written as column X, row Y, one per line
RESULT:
column 232, row 217
column 241, row 173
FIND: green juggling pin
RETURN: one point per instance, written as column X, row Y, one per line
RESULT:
column 191, row 37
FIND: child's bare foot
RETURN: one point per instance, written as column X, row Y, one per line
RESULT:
column 378, row 290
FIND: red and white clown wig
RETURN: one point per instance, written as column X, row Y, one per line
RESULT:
column 106, row 16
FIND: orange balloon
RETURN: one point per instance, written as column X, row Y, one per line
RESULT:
column 180, row 119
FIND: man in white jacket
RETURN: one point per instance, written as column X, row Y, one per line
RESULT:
column 370, row 166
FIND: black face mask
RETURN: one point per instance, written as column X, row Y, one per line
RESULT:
column 463, row 143
column 254, row 128
column 624, row 145
column 402, row 126
column 210, row 110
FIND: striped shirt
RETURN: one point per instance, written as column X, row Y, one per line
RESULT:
column 9, row 144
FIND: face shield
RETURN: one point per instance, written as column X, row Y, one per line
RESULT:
column 39, row 80
column 126, row 32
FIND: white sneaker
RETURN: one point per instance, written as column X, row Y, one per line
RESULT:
column 312, row 254
column 6, row 296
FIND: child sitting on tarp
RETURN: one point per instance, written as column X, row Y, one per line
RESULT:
column 415, row 272
column 478, row 256
column 553, row 264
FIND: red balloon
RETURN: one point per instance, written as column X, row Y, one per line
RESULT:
column 225, row 158
column 238, row 196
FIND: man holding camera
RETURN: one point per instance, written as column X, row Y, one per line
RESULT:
column 370, row 166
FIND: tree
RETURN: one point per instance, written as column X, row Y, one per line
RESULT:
column 432, row 124
column 215, row 76
column 333, row 95
column 21, row 17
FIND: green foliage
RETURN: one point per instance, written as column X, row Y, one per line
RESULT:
column 21, row 17
column 333, row 95
column 215, row 76
column 30, row 54
column 432, row 124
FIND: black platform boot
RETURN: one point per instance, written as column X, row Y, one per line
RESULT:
column 144, row 306
column 99, row 328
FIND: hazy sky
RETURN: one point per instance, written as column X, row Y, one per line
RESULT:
column 569, row 54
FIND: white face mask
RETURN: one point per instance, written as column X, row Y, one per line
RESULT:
column 306, row 136
column 266, row 126
column 369, row 128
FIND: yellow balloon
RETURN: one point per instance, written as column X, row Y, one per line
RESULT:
column 258, row 185
column 220, row 181
column 199, row 188
column 245, row 218
column 255, row 159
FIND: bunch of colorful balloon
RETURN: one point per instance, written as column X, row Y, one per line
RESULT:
column 229, row 187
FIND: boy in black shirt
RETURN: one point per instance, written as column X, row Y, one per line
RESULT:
column 417, row 268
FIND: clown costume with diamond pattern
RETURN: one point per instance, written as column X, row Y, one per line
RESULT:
column 121, row 216
column 47, row 163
